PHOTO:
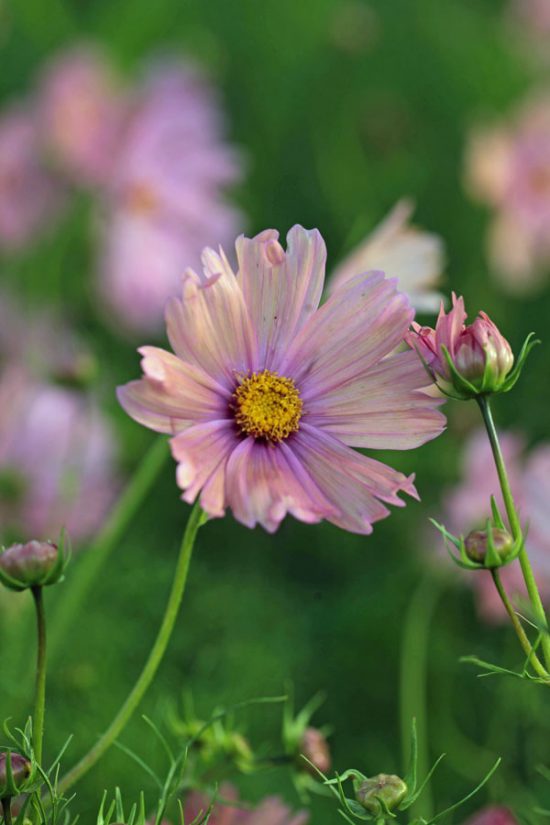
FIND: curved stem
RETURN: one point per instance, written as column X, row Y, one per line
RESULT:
column 515, row 526
column 533, row 659
column 93, row 560
column 196, row 519
column 414, row 677
column 40, row 689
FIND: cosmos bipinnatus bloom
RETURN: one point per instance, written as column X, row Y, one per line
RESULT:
column 268, row 393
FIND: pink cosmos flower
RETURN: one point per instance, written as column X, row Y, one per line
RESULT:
column 467, row 507
column 82, row 111
column 267, row 394
column 56, row 460
column 166, row 199
column 493, row 815
column 478, row 351
column 416, row 258
column 30, row 198
column 270, row 811
column 508, row 167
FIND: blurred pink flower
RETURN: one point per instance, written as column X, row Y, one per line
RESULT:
column 467, row 507
column 166, row 196
column 267, row 393
column 270, row 811
column 56, row 457
column 415, row 257
column 492, row 815
column 534, row 13
column 82, row 111
column 57, row 450
column 30, row 198
column 508, row 167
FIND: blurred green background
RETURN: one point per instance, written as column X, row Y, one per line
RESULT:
column 341, row 109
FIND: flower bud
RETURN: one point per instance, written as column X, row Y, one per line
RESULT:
column 314, row 747
column 477, row 543
column 468, row 360
column 15, row 769
column 384, row 788
column 33, row 564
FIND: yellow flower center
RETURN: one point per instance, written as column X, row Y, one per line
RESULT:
column 267, row 405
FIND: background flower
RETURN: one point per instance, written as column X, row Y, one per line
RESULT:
column 415, row 257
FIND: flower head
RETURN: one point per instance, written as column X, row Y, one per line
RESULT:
column 268, row 811
column 469, row 359
column 267, row 394
column 493, row 815
column 508, row 167
column 82, row 111
column 165, row 201
column 413, row 256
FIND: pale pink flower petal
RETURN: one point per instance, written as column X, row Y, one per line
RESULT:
column 201, row 452
column 281, row 289
column 172, row 394
column 414, row 257
column 386, row 409
column 270, row 811
column 357, row 485
column 211, row 326
column 358, row 325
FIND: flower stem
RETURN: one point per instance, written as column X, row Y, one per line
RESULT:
column 196, row 519
column 6, row 810
column 417, row 624
column 40, row 689
column 515, row 526
column 95, row 557
column 533, row 659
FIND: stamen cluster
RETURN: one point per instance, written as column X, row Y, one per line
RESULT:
column 267, row 405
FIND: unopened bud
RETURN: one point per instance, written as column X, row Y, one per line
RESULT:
column 15, row 769
column 314, row 747
column 379, row 792
column 477, row 543
column 33, row 564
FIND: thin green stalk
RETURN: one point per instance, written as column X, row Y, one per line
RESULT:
column 196, row 519
column 40, row 689
column 515, row 526
column 534, row 660
column 414, row 678
column 93, row 560
column 6, row 810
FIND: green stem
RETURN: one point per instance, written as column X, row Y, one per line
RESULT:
column 93, row 560
column 40, row 689
column 6, row 810
column 515, row 526
column 414, row 678
column 196, row 519
column 534, row 660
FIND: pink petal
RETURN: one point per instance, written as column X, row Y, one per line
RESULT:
column 356, row 485
column 265, row 482
column 383, row 409
column 359, row 324
column 210, row 325
column 450, row 325
column 202, row 452
column 281, row 289
column 172, row 394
